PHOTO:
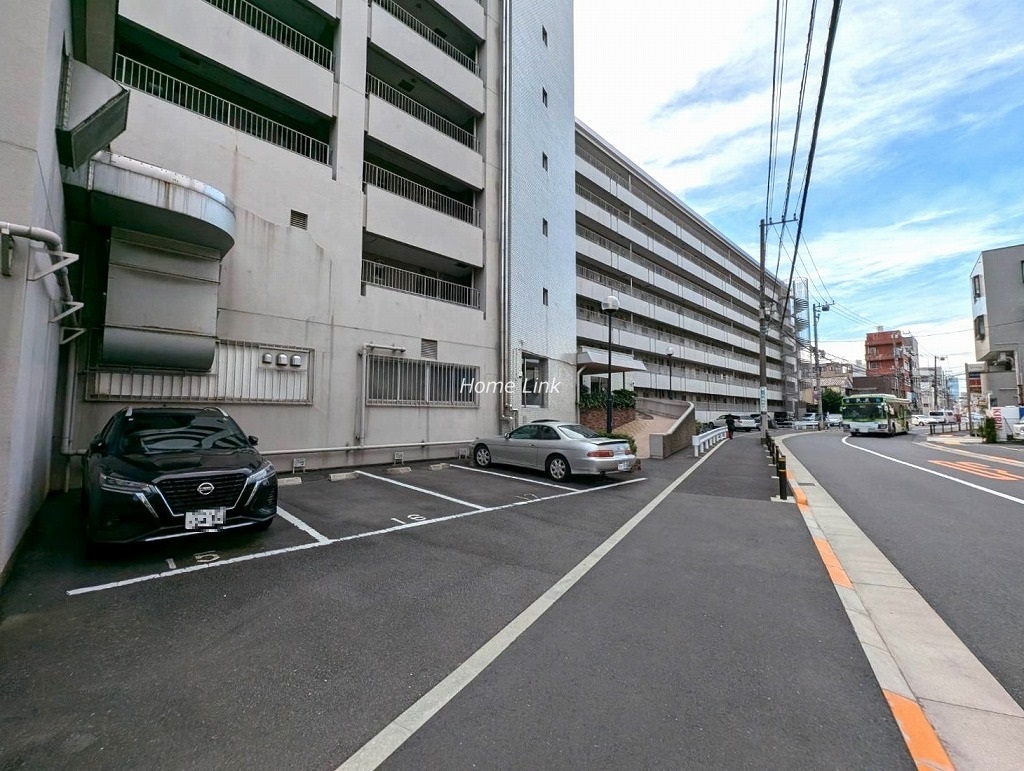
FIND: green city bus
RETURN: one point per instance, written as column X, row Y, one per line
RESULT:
column 876, row 414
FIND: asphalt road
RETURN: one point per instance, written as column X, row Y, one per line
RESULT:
column 950, row 518
column 700, row 632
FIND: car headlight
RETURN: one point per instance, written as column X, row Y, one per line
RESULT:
column 119, row 484
column 263, row 474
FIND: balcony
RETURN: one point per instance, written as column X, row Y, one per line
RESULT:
column 409, row 213
column 402, row 123
column 151, row 81
column 390, row 277
column 406, row 39
column 288, row 36
column 221, row 40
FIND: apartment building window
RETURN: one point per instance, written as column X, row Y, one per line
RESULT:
column 544, row 296
column 979, row 328
column 535, row 385
column 544, row 161
column 391, row 380
column 544, row 35
column 544, row 227
column 544, row 96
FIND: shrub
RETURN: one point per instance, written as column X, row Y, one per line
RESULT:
column 989, row 431
column 622, row 399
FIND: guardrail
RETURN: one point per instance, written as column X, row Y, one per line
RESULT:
column 428, row 34
column 151, row 81
column 405, row 188
column 400, row 280
column 703, row 442
column 275, row 29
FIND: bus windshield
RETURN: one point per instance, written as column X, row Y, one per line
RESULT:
column 864, row 411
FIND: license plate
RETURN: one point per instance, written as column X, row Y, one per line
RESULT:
column 196, row 520
column 624, row 466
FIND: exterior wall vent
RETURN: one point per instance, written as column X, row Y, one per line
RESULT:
column 299, row 220
column 428, row 349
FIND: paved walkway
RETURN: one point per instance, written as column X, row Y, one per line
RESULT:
column 641, row 430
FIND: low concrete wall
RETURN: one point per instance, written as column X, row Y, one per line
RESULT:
column 677, row 438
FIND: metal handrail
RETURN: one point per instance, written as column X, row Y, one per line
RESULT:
column 392, row 95
column 144, row 78
column 426, row 32
column 390, row 277
column 386, row 180
column 274, row 28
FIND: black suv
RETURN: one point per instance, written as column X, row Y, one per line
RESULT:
column 163, row 472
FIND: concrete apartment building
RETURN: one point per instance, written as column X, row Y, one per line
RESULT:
column 890, row 356
column 325, row 215
column 359, row 226
column 997, row 307
column 689, row 296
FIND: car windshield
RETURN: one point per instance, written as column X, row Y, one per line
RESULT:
column 169, row 432
column 576, row 431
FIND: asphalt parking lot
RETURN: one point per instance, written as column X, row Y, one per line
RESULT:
column 315, row 510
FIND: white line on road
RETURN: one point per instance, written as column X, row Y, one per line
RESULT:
column 302, row 547
column 512, row 476
column 972, row 485
column 302, row 526
column 422, row 490
column 380, row 747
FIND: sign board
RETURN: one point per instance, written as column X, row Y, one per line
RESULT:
column 764, row 399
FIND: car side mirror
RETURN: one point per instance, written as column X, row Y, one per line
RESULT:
column 253, row 440
column 97, row 445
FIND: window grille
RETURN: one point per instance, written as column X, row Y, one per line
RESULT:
column 417, row 382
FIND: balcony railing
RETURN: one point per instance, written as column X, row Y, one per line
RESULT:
column 406, row 188
column 156, row 83
column 426, row 32
column 391, row 95
column 390, row 277
column 261, row 21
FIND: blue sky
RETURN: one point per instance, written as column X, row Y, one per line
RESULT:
column 920, row 157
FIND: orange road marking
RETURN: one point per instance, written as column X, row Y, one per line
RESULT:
column 979, row 469
column 924, row 746
column 835, row 570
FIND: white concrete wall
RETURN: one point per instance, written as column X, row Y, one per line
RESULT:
column 30, row 194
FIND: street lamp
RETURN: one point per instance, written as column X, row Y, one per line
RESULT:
column 670, row 353
column 935, row 380
column 609, row 305
column 817, row 369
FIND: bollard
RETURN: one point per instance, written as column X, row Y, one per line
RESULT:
column 783, row 483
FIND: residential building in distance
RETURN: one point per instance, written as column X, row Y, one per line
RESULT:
column 890, row 359
column 689, row 296
column 997, row 281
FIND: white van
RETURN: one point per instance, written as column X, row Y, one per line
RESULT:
column 944, row 416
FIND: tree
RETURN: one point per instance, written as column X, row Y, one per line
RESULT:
column 831, row 401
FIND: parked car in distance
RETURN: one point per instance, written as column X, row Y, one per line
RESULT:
column 560, row 448
column 1017, row 430
column 944, row 416
column 810, row 420
column 757, row 420
column 922, row 420
column 833, row 420
column 740, row 422
column 163, row 472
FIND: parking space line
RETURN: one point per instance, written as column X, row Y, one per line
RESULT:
column 421, row 490
column 512, row 476
column 320, row 538
column 302, row 547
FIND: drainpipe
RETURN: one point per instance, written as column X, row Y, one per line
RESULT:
column 505, row 416
column 55, row 245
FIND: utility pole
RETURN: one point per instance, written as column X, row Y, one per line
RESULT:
column 817, row 367
column 763, row 362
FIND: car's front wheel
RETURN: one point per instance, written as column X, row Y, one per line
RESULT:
column 482, row 455
column 557, row 468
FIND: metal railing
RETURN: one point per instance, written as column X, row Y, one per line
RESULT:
column 391, row 95
column 409, row 382
column 426, row 32
column 421, row 194
column 144, row 78
column 390, row 277
column 274, row 28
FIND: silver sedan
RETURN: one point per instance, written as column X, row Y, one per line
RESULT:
column 559, row 448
